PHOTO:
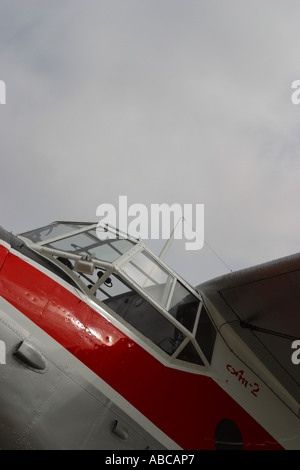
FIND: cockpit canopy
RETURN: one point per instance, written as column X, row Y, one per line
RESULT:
column 122, row 274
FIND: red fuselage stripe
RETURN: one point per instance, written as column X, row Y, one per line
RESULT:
column 185, row 406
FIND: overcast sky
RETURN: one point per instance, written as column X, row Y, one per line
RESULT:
column 164, row 101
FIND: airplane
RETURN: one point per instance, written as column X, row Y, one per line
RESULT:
column 106, row 347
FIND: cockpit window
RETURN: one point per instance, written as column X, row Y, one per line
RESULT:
column 136, row 311
column 122, row 274
column 150, row 276
column 147, row 273
column 189, row 354
column 206, row 334
column 51, row 231
column 88, row 244
column 184, row 306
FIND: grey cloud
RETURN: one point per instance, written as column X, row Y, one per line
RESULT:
column 164, row 101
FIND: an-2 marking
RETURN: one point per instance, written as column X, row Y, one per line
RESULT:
column 240, row 376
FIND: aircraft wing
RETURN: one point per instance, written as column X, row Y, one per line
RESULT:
column 262, row 305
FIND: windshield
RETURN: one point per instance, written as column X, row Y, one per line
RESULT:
column 163, row 287
column 150, row 276
column 88, row 243
column 123, row 275
column 54, row 230
column 81, row 239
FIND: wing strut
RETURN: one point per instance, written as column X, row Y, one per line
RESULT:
column 244, row 324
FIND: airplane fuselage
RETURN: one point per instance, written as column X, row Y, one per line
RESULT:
column 75, row 377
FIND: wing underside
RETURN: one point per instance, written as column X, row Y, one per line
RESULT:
column 263, row 305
